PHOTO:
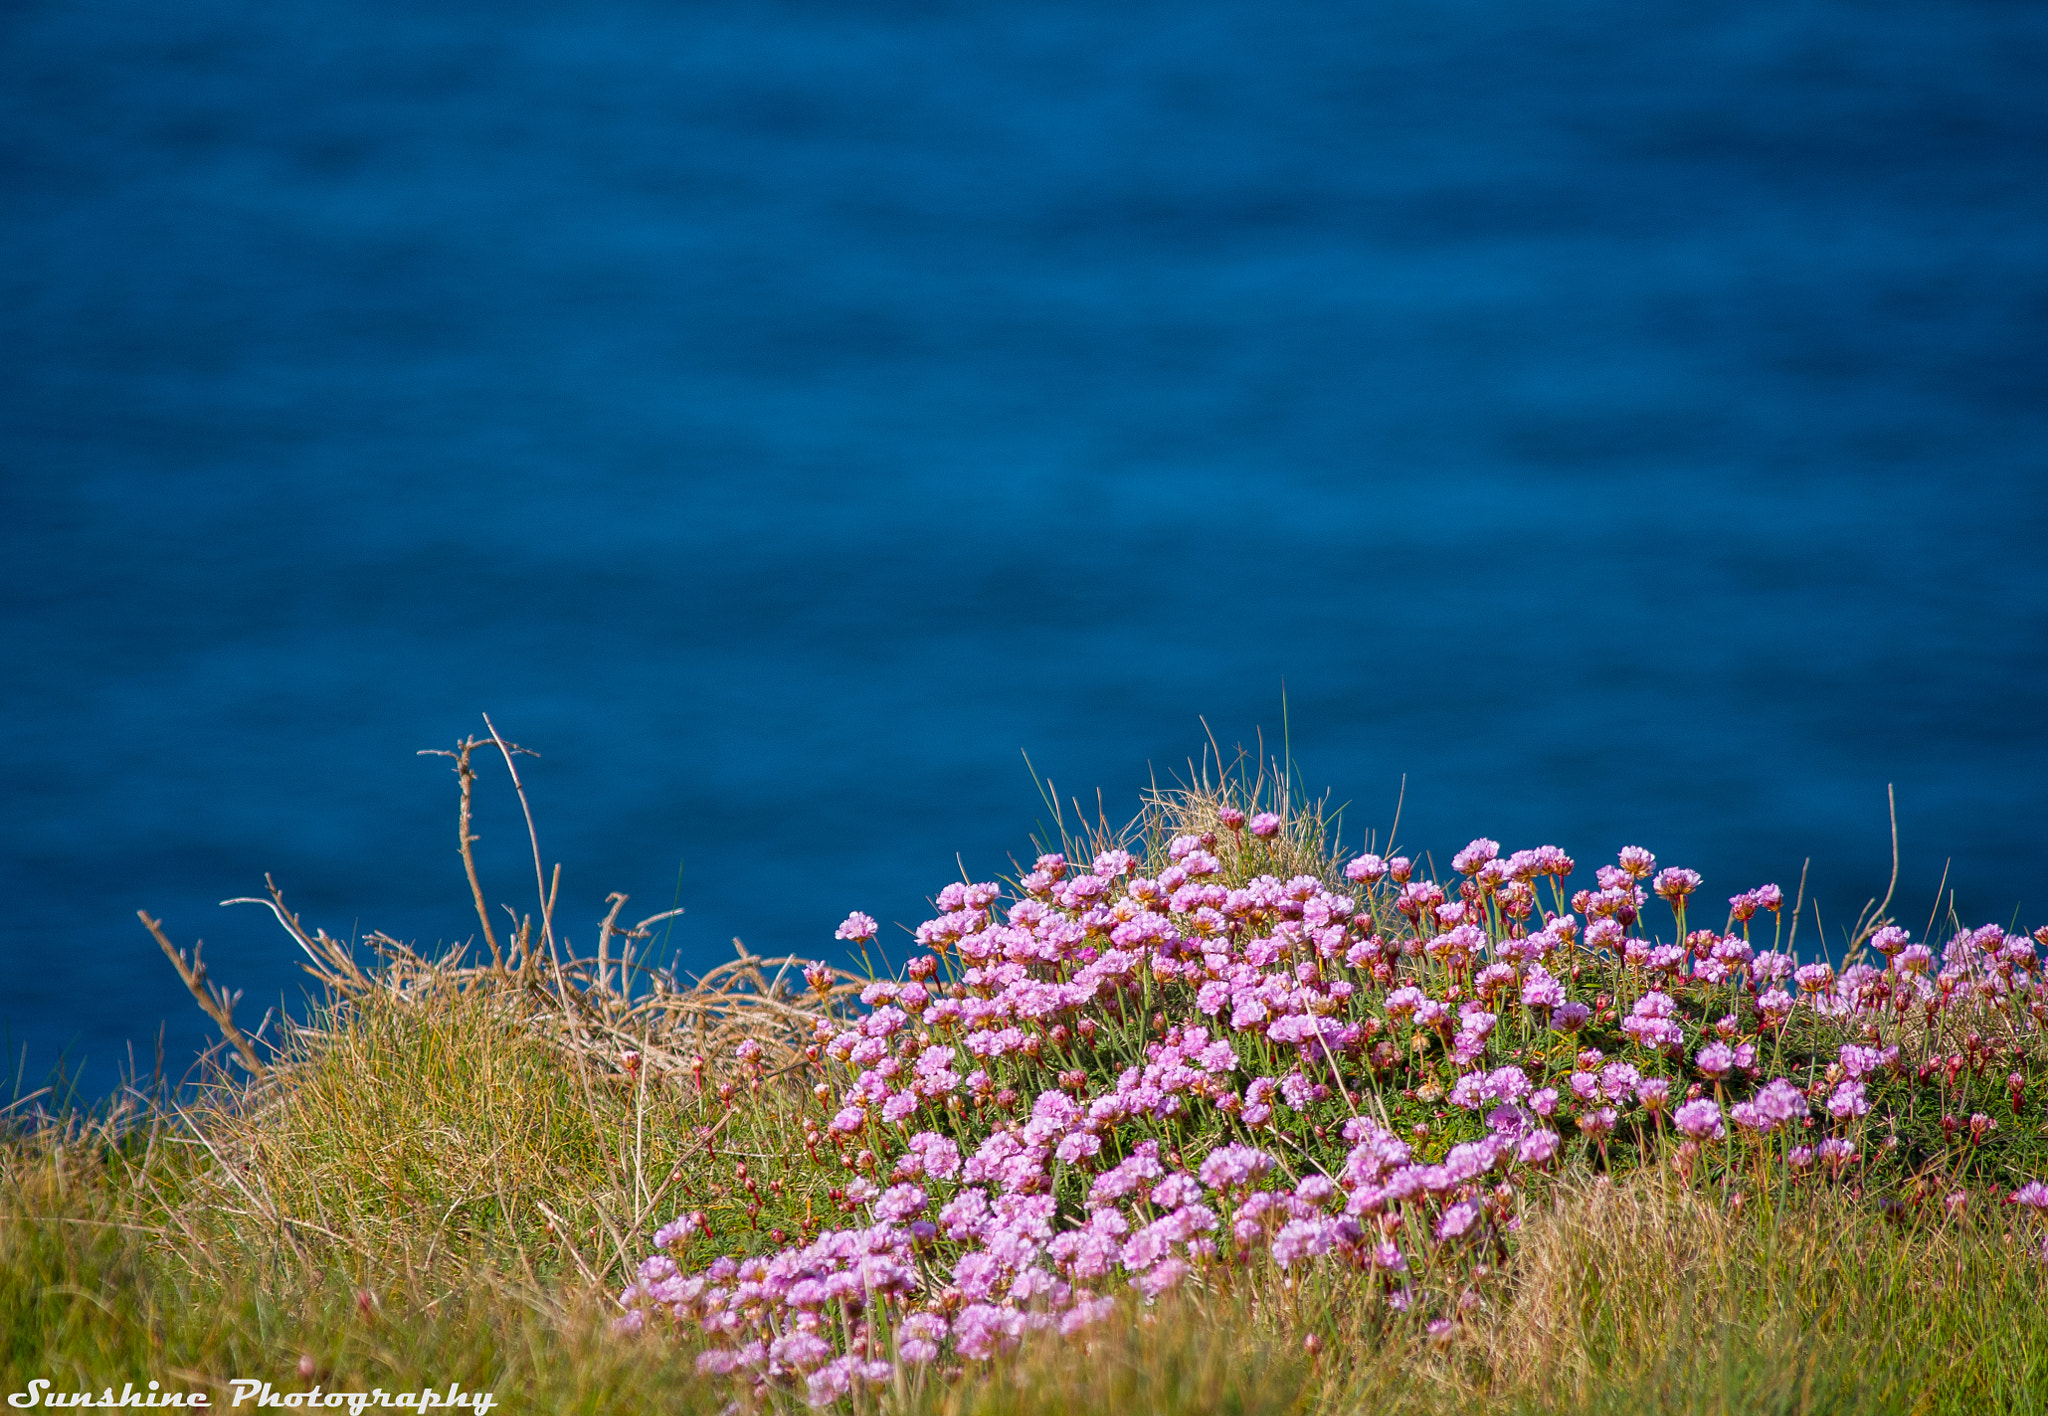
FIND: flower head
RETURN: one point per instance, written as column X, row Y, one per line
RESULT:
column 1700, row 1119
column 1468, row 861
column 1676, row 883
column 1715, row 1061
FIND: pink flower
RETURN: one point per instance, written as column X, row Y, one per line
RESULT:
column 1715, row 1061
column 1637, row 861
column 1468, row 861
column 1699, row 1119
column 1781, row 1101
column 1234, row 1165
column 681, row 1227
column 1302, row 1239
column 1458, row 1220
column 1570, row 1016
column 1367, row 868
column 857, row 927
column 1265, row 825
column 1676, row 883
column 1230, row 816
column 1814, row 978
column 1077, row 1147
column 1540, row 990
column 2033, row 1194
column 920, row 1336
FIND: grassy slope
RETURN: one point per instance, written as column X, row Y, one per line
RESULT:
column 385, row 1211
column 448, row 1174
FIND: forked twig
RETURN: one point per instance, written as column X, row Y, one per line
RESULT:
column 465, row 838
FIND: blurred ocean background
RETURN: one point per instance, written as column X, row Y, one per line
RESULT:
column 1630, row 424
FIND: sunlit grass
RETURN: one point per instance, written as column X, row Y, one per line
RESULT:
column 449, row 1172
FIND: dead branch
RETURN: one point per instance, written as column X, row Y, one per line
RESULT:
column 218, row 1003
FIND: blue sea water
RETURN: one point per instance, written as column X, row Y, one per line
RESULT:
column 1625, row 424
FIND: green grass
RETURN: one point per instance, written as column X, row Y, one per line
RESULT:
column 447, row 1173
column 429, row 1192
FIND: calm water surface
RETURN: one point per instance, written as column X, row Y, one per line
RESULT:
column 1630, row 427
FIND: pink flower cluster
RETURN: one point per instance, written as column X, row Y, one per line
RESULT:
column 1111, row 1079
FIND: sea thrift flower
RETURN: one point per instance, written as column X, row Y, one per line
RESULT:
column 1848, row 1101
column 1700, row 1119
column 1540, row 990
column 1468, row 861
column 1071, row 1046
column 1781, row 1101
column 1234, row 1164
column 1366, row 868
column 1716, row 1060
column 1077, row 1147
column 858, row 926
column 1570, row 1016
column 1814, row 978
column 1458, row 1221
column 1265, row 825
column 1676, row 883
column 680, row 1228
column 1834, row 1153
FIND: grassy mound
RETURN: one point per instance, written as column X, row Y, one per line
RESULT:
column 554, row 1176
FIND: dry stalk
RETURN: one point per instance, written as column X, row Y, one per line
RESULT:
column 465, row 838
column 593, row 1008
column 218, row 1003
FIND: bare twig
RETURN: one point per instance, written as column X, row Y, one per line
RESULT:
column 465, row 838
column 540, row 884
column 1792, row 944
column 217, row 1002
